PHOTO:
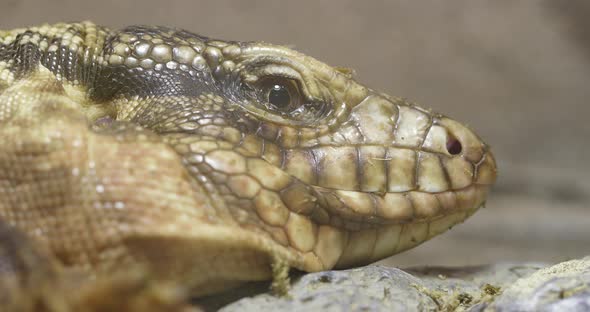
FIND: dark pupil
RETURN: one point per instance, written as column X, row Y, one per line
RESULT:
column 279, row 96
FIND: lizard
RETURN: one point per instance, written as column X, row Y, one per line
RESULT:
column 210, row 163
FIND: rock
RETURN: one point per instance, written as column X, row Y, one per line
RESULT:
column 499, row 287
column 562, row 287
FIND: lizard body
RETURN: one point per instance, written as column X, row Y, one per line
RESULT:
column 205, row 160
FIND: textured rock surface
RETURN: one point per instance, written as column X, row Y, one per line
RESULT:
column 500, row 287
column 562, row 287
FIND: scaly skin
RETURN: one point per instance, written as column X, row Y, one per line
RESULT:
column 157, row 147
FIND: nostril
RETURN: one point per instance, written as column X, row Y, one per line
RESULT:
column 453, row 145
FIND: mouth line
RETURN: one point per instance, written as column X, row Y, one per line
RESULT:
column 409, row 207
column 378, row 193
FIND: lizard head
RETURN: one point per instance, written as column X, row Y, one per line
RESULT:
column 295, row 148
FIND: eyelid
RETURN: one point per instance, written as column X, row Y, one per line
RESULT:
column 281, row 71
column 255, row 74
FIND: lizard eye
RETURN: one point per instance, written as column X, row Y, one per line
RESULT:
column 280, row 94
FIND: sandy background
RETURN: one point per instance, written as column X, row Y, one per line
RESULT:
column 518, row 72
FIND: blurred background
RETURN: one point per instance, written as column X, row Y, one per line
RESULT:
column 517, row 72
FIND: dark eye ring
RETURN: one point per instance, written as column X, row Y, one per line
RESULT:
column 280, row 94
